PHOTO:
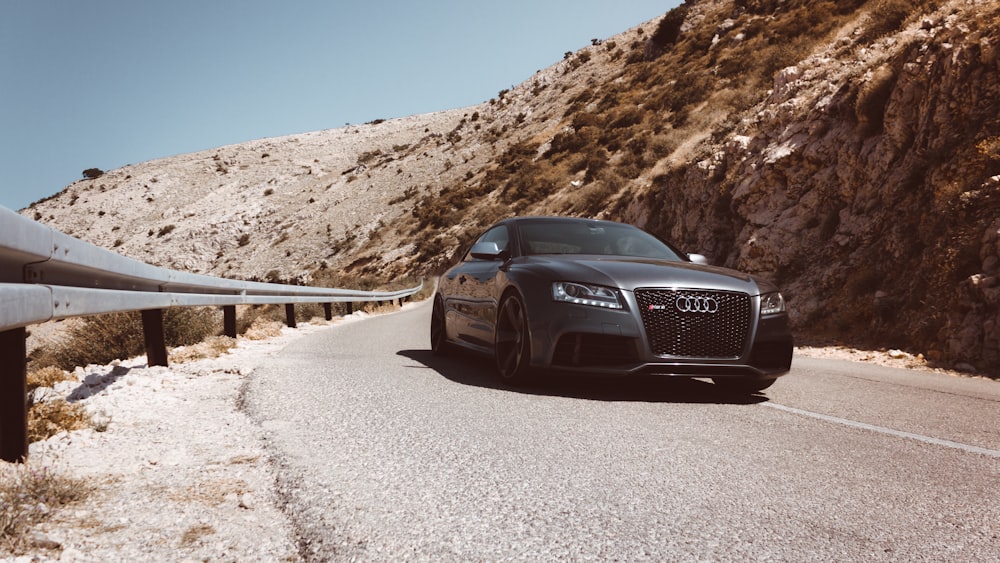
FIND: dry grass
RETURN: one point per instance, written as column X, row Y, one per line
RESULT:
column 308, row 311
column 212, row 492
column 47, row 377
column 195, row 534
column 49, row 418
column 29, row 495
column 888, row 16
column 263, row 328
column 104, row 338
column 212, row 347
column 380, row 308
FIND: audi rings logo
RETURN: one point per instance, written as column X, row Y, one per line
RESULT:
column 696, row 304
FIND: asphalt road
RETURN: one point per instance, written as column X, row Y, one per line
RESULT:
column 387, row 453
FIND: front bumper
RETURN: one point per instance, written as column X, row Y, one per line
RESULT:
column 583, row 339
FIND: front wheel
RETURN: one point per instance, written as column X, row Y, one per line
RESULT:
column 742, row 386
column 439, row 328
column 512, row 346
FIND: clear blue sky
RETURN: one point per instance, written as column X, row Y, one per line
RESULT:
column 104, row 83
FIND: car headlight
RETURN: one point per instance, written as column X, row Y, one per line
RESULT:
column 583, row 294
column 772, row 303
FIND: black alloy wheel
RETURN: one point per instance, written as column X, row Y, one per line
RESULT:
column 439, row 328
column 512, row 347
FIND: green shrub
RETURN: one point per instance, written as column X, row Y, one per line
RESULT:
column 887, row 17
column 669, row 28
column 368, row 156
column 593, row 198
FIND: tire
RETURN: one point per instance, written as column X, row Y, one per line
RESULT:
column 742, row 386
column 439, row 329
column 512, row 345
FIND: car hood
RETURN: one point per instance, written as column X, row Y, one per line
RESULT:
column 630, row 273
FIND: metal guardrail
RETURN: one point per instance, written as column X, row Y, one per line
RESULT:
column 48, row 275
column 83, row 279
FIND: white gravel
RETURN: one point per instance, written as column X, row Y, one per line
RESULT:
column 180, row 473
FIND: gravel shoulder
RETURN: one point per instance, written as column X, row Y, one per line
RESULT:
column 179, row 473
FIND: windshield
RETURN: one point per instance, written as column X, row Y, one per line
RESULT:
column 591, row 237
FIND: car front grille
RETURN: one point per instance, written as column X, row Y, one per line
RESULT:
column 695, row 323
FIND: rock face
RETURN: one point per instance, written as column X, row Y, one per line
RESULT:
column 850, row 151
column 867, row 185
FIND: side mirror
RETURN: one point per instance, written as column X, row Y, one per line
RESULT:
column 698, row 259
column 486, row 251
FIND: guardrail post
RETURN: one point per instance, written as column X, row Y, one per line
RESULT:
column 152, row 331
column 13, row 396
column 229, row 320
column 350, row 308
column 290, row 315
column 328, row 311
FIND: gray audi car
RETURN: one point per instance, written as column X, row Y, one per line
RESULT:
column 581, row 295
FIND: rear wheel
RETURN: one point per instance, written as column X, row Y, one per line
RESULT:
column 439, row 328
column 742, row 386
column 512, row 346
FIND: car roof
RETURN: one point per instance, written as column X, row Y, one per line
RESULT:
column 556, row 219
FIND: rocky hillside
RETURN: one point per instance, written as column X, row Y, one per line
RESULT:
column 848, row 150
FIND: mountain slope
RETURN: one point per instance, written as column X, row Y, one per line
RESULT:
column 848, row 150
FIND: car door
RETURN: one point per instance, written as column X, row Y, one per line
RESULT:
column 471, row 308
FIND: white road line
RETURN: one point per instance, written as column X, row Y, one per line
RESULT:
column 883, row 430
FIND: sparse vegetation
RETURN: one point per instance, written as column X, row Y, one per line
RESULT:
column 104, row 338
column 262, row 327
column 28, row 495
column 47, row 376
column 887, row 16
column 48, row 418
column 211, row 347
column 669, row 28
column 407, row 194
column 367, row 157
column 989, row 148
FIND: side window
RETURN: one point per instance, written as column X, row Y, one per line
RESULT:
column 498, row 234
